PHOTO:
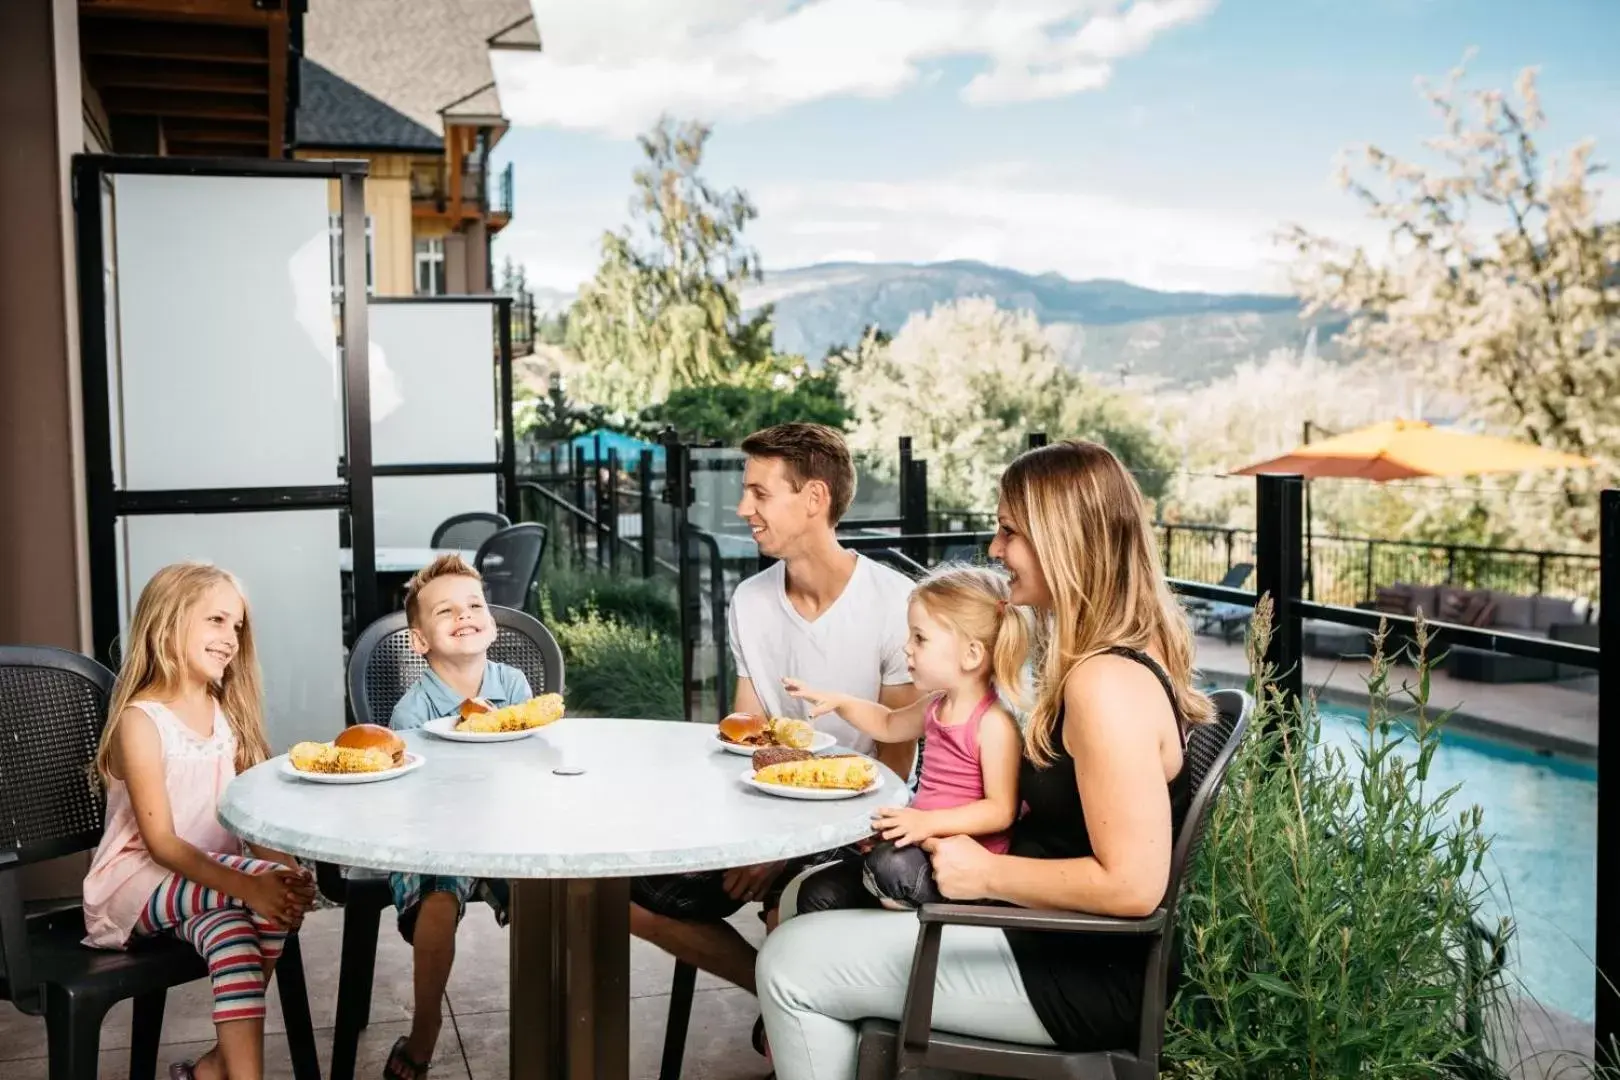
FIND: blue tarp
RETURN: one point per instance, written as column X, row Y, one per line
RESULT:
column 628, row 447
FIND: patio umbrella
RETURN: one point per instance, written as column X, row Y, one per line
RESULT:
column 1402, row 450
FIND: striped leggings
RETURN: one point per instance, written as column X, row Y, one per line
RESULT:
column 239, row 945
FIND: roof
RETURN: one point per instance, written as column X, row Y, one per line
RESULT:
column 421, row 57
column 334, row 114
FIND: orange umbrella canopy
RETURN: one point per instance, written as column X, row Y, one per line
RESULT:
column 1402, row 449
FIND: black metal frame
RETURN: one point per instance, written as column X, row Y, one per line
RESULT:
column 105, row 503
column 1607, row 1011
column 505, row 465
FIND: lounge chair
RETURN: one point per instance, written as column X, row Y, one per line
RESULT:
column 1221, row 616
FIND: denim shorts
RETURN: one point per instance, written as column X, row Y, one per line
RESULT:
column 409, row 889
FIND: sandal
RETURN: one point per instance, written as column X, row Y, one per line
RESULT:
column 182, row 1070
column 400, row 1064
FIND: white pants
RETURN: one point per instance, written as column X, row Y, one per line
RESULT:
column 821, row 974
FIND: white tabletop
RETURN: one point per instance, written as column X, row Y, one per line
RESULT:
column 655, row 797
column 401, row 560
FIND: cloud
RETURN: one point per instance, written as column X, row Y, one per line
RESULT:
column 613, row 66
column 1036, row 225
column 1003, row 213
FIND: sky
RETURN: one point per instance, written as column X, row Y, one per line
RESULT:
column 1161, row 142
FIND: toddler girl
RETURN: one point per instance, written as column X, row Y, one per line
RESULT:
column 187, row 716
column 965, row 642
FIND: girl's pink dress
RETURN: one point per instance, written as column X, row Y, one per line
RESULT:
column 122, row 875
column 951, row 774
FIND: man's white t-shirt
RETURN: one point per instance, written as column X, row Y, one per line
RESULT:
column 857, row 646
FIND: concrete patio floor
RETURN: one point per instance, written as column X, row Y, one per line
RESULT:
column 473, row 1046
column 1537, row 1044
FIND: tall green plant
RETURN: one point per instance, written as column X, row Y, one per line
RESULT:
column 1332, row 923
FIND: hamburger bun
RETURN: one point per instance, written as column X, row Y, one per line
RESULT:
column 744, row 728
column 373, row 737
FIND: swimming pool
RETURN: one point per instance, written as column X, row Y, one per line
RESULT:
column 1541, row 813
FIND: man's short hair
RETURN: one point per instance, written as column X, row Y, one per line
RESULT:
column 448, row 565
column 810, row 452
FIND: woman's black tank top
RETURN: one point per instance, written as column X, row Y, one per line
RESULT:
column 1086, row 989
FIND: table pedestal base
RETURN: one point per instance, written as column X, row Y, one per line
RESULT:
column 570, row 956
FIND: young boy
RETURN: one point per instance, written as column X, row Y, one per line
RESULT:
column 452, row 627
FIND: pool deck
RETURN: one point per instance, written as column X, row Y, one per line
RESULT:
column 1558, row 717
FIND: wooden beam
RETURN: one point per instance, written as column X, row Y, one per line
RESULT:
column 452, row 146
column 235, row 12
column 188, row 130
column 172, row 41
column 126, row 72
column 176, row 103
column 278, row 86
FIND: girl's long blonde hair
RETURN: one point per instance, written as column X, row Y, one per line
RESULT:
column 1091, row 531
column 154, row 661
column 972, row 600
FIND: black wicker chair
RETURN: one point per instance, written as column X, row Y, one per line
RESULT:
column 887, row 1049
column 468, row 531
column 382, row 667
column 510, row 564
column 53, row 706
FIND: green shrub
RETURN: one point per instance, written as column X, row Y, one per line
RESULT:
column 1331, row 924
column 567, row 594
column 616, row 668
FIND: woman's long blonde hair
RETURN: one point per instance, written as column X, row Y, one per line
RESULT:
column 972, row 600
column 154, row 661
column 1089, row 525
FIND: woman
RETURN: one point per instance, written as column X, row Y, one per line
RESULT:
column 1102, row 777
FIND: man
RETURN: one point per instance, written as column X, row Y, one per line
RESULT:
column 820, row 613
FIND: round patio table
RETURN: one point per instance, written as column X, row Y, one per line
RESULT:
column 653, row 797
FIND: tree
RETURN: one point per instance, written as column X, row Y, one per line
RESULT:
column 663, row 310
column 1499, row 281
column 729, row 412
column 968, row 381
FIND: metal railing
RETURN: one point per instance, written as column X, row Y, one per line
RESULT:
column 501, row 200
column 1276, row 547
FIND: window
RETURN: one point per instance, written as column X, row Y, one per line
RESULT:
column 430, row 266
column 335, row 229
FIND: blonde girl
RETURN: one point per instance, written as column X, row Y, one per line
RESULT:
column 966, row 642
column 186, row 717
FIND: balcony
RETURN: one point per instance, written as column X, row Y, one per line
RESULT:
column 432, row 191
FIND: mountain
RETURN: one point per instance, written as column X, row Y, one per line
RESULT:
column 1102, row 326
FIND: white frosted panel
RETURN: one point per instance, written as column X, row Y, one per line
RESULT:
column 227, row 341
column 288, row 565
column 409, row 508
column 432, row 383
column 109, row 283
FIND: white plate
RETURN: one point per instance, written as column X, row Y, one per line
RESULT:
column 412, row 763
column 445, row 728
column 812, row 794
column 818, row 742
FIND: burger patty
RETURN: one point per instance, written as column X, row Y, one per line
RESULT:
column 775, row 755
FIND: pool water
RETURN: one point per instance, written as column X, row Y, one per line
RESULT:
column 1541, row 813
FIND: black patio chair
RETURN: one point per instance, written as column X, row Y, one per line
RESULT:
column 468, row 531
column 896, row 559
column 510, row 564
column 887, row 1049
column 381, row 668
column 53, row 707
